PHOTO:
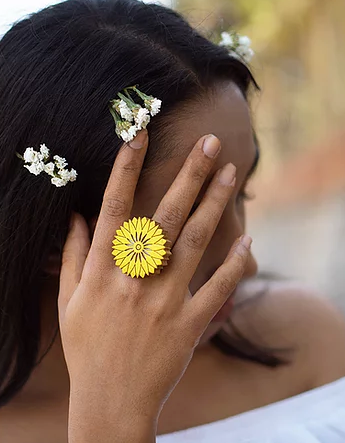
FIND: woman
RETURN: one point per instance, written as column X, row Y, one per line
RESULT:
column 113, row 370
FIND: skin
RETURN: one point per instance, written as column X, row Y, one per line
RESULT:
column 214, row 386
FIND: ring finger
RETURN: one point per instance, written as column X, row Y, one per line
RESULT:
column 200, row 228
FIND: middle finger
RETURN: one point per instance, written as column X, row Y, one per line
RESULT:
column 177, row 203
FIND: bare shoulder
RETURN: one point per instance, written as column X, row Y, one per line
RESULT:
column 281, row 314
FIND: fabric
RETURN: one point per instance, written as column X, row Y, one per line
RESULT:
column 316, row 416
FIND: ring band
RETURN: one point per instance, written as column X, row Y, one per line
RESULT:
column 140, row 247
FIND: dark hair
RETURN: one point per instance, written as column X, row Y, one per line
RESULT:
column 58, row 70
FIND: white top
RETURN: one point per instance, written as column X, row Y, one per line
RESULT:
column 316, row 416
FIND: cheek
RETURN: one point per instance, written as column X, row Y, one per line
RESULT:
column 229, row 229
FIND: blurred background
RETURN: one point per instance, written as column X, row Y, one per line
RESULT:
column 297, row 218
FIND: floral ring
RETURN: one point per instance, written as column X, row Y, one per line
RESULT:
column 140, row 248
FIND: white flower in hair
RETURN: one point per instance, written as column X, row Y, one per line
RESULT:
column 238, row 45
column 44, row 151
column 246, row 53
column 35, row 168
column 243, row 40
column 36, row 163
column 30, row 155
column 129, row 135
column 227, row 40
column 155, row 106
column 142, row 118
column 58, row 182
column 125, row 111
column 73, row 175
column 60, row 161
column 49, row 168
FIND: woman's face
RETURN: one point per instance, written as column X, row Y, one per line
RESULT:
column 227, row 116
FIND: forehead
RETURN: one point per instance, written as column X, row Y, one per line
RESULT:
column 225, row 114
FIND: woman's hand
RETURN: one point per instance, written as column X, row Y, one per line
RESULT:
column 127, row 342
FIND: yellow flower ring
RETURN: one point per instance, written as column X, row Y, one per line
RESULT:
column 140, row 248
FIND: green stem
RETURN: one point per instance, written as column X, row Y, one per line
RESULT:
column 115, row 115
column 129, row 102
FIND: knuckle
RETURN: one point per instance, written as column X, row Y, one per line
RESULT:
column 224, row 286
column 172, row 216
column 131, row 168
column 115, row 207
column 196, row 237
column 199, row 172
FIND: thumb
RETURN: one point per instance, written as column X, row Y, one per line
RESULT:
column 74, row 255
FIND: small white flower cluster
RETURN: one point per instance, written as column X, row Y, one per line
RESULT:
column 38, row 162
column 129, row 116
column 239, row 46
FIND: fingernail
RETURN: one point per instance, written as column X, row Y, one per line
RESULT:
column 246, row 241
column 211, row 146
column 227, row 175
column 139, row 141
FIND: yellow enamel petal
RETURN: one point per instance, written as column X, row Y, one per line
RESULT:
column 120, row 234
column 131, row 265
column 161, row 242
column 139, row 228
column 150, row 261
column 122, row 254
column 152, row 231
column 133, row 272
column 158, row 262
column 155, row 247
column 128, row 259
column 126, row 233
column 122, row 247
column 155, row 239
column 118, row 263
column 145, row 266
column 116, row 254
column 155, row 254
column 124, row 269
column 151, row 269
column 122, row 240
column 152, row 224
column 137, row 267
column 132, row 230
column 134, row 222
column 142, row 273
column 145, row 226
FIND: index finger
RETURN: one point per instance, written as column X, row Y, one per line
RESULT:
column 118, row 197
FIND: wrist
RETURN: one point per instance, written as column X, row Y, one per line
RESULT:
column 108, row 422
